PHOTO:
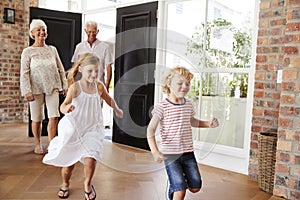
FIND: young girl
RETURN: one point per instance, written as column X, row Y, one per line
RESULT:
column 80, row 131
column 175, row 115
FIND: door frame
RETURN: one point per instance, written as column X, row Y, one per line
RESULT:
column 42, row 13
column 231, row 156
column 134, row 72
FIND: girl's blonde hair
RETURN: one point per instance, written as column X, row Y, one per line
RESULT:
column 84, row 60
column 182, row 71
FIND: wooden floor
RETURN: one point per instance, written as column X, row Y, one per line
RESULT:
column 123, row 174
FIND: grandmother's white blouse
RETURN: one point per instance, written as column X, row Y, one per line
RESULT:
column 41, row 71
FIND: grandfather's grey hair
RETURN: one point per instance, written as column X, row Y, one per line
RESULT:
column 91, row 23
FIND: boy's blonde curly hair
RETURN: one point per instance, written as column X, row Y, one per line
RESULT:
column 182, row 71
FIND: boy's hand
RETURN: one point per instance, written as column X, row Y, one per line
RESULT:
column 119, row 113
column 214, row 123
column 158, row 157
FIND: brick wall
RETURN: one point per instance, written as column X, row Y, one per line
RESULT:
column 14, row 38
column 276, row 106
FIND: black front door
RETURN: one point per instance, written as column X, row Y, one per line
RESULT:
column 64, row 32
column 134, row 72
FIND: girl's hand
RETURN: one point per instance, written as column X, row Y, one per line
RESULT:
column 214, row 123
column 119, row 113
column 64, row 92
column 69, row 108
column 158, row 157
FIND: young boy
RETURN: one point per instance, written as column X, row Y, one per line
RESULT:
column 175, row 114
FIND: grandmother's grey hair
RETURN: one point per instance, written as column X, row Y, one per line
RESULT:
column 91, row 23
column 34, row 24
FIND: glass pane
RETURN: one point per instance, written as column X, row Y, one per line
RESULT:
column 220, row 84
column 226, row 43
column 227, row 37
column 92, row 4
column 182, row 12
column 179, row 32
column 222, row 97
column 62, row 5
column 231, row 117
column 54, row 4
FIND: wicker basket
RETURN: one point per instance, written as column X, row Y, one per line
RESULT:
column 267, row 143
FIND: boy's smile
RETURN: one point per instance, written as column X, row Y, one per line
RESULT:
column 179, row 87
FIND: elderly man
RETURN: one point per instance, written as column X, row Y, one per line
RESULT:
column 99, row 48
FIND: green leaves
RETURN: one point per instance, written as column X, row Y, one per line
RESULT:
column 239, row 55
column 225, row 46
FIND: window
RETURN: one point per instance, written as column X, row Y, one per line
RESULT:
column 61, row 5
column 215, row 40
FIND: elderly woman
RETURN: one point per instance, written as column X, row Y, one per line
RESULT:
column 42, row 78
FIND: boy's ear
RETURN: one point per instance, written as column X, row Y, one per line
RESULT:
column 168, row 83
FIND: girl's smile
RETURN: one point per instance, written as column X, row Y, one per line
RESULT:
column 89, row 73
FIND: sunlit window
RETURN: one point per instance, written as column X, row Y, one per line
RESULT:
column 61, row 5
column 215, row 42
column 92, row 4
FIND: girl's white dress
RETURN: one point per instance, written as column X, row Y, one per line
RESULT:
column 80, row 132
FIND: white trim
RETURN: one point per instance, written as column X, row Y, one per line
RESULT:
column 160, row 55
column 220, row 149
column 219, row 154
column 134, row 3
column 83, row 5
column 227, row 70
column 95, row 11
column 248, row 123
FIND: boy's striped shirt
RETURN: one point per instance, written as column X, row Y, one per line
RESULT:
column 175, row 126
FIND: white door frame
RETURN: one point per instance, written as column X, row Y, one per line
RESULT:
column 225, row 157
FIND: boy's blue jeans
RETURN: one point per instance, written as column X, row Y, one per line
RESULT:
column 183, row 172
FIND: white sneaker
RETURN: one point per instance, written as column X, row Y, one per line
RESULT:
column 167, row 193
